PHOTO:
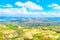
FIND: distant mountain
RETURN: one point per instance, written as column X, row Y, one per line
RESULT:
column 29, row 21
column 30, row 18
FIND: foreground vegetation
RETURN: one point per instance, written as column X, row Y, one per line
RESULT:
column 13, row 32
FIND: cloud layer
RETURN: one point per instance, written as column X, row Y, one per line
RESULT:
column 54, row 6
column 29, row 9
column 30, row 5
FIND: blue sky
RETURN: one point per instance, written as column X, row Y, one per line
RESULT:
column 30, row 8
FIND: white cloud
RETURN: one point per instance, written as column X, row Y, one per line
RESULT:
column 58, row 7
column 14, row 11
column 19, row 4
column 47, row 14
column 8, row 5
column 51, row 13
column 24, row 12
column 18, row 11
column 54, row 6
column 30, row 5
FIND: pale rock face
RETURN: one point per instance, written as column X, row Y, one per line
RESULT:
column 10, row 36
column 20, row 39
column 28, row 35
